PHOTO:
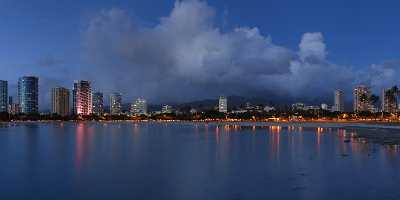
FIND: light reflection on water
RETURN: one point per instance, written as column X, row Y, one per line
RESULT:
column 193, row 161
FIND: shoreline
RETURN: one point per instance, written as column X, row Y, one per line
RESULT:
column 326, row 123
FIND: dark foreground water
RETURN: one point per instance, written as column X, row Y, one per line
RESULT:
column 185, row 161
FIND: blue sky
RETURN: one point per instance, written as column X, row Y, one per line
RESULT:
column 357, row 32
column 38, row 35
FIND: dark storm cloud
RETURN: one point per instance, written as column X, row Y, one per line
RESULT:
column 186, row 56
column 381, row 76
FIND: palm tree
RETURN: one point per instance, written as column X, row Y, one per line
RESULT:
column 393, row 92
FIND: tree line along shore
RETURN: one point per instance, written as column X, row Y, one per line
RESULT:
column 320, row 116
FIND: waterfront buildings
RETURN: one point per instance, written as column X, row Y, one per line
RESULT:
column 223, row 104
column 253, row 108
column 115, row 104
column 139, row 107
column 248, row 106
column 166, row 109
column 311, row 108
column 389, row 100
column 86, row 103
column 298, row 106
column 82, row 98
column 98, row 103
column 10, row 102
column 60, row 101
column 338, row 105
column 324, row 106
column 15, row 109
column 28, row 94
column 361, row 100
column 3, row 96
column 269, row 108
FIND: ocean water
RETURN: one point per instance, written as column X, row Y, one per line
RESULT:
column 181, row 161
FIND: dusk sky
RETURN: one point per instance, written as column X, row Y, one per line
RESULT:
column 186, row 50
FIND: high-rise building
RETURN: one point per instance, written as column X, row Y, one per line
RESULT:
column 338, row 105
column 139, row 107
column 3, row 96
column 60, row 101
column 223, row 104
column 98, row 103
column 389, row 100
column 115, row 104
column 82, row 98
column 166, row 109
column 28, row 94
column 10, row 103
column 361, row 102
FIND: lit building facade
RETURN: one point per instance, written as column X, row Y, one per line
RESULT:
column 139, row 107
column 223, row 104
column 166, row 109
column 389, row 101
column 60, row 101
column 115, row 104
column 15, row 109
column 269, row 108
column 82, row 98
column 298, row 106
column 3, row 96
column 311, row 108
column 98, row 103
column 338, row 99
column 28, row 94
column 360, row 103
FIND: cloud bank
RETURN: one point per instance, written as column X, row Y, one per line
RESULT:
column 186, row 56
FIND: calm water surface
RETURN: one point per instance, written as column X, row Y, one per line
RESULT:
column 192, row 161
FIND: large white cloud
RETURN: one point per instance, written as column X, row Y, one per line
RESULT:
column 186, row 56
column 312, row 46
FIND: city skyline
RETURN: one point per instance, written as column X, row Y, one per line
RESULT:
column 84, row 101
column 213, row 53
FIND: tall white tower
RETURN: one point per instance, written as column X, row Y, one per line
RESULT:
column 338, row 101
column 223, row 104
